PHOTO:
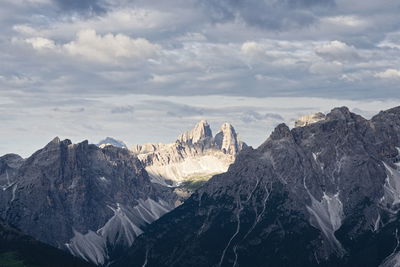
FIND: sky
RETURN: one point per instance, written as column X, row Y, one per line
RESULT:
column 145, row 71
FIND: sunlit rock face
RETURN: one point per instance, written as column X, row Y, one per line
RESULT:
column 89, row 201
column 192, row 159
column 324, row 194
column 309, row 119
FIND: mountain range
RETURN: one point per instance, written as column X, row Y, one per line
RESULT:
column 94, row 200
column 326, row 193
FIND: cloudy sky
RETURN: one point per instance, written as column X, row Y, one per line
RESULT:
column 144, row 71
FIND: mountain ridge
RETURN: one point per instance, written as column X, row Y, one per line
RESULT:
column 325, row 194
column 79, row 197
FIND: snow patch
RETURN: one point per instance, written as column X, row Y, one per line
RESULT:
column 103, row 179
column 327, row 216
column 377, row 222
column 315, row 157
column 120, row 230
column 90, row 247
column 14, row 189
column 393, row 260
column 392, row 185
column 8, row 184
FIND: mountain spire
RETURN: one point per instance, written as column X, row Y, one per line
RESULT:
column 201, row 131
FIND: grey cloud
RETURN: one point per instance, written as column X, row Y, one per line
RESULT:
column 73, row 110
column 123, row 109
column 267, row 14
column 253, row 116
column 213, row 66
column 174, row 109
column 82, row 6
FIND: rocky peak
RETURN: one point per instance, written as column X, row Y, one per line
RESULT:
column 56, row 144
column 226, row 139
column 201, row 131
column 280, row 131
column 55, row 140
column 341, row 113
column 309, row 119
column 79, row 197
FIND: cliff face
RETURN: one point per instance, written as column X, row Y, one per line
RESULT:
column 195, row 156
column 326, row 194
column 79, row 197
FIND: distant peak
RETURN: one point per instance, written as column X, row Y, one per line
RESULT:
column 109, row 141
column 226, row 139
column 281, row 131
column 227, row 126
column 56, row 140
column 200, row 131
column 341, row 113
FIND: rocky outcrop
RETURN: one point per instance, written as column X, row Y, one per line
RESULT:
column 92, row 202
column 325, row 194
column 200, row 132
column 227, row 140
column 195, row 156
column 309, row 119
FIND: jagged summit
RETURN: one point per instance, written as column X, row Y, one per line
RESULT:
column 227, row 139
column 201, row 131
column 195, row 155
column 280, row 131
column 56, row 140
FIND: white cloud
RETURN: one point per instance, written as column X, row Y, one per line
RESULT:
column 327, row 68
column 25, row 30
column 192, row 37
column 253, row 48
column 337, row 50
column 40, row 43
column 162, row 78
column 392, row 40
column 348, row 21
column 109, row 47
column 388, row 74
